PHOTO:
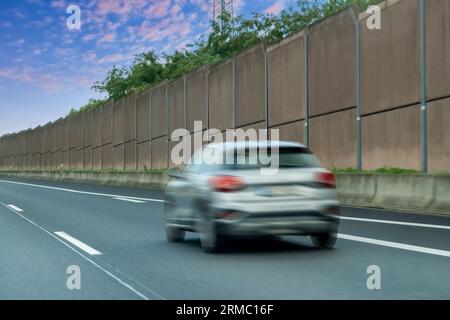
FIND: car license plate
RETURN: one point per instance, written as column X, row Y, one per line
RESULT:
column 283, row 191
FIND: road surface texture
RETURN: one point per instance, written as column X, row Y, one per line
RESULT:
column 116, row 238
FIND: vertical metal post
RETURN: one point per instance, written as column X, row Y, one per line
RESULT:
column 185, row 102
column 306, row 88
column 101, row 137
column 167, row 125
column 266, row 92
column 423, row 91
column 150, row 127
column 207, row 100
column 234, row 94
column 123, row 132
column 135, row 134
column 358, row 94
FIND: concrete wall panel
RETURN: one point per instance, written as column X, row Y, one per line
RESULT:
column 130, row 155
column 130, row 117
column 438, row 48
column 158, row 113
column 119, row 157
column 439, row 135
column 97, row 158
column 88, row 158
column 143, row 116
column 88, row 123
column 107, row 123
column 250, row 87
column 144, row 157
column 390, row 58
column 291, row 132
column 392, row 139
column 220, row 96
column 97, row 127
column 196, row 99
column 332, row 139
column 286, row 81
column 107, row 157
column 175, row 100
column 159, row 153
column 118, row 122
column 332, row 64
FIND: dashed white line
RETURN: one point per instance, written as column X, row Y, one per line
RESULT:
column 400, row 223
column 78, row 243
column 396, row 245
column 131, row 288
column 81, row 192
column 15, row 208
column 129, row 200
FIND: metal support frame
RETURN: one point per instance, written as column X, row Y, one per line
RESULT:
column 123, row 131
column 207, row 101
column 306, row 88
column 135, row 134
column 167, row 124
column 266, row 92
column 423, row 90
column 358, row 91
column 150, row 127
column 234, row 100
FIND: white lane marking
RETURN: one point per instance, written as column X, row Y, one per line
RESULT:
column 78, row 243
column 15, row 208
column 396, row 245
column 88, row 259
column 81, row 192
column 129, row 200
column 401, row 223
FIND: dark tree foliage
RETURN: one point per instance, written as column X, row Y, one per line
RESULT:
column 231, row 36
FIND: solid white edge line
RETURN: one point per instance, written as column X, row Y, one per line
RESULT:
column 129, row 200
column 15, row 208
column 396, row 245
column 401, row 223
column 81, row 245
column 82, row 192
column 83, row 256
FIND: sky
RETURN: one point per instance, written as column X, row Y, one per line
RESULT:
column 46, row 69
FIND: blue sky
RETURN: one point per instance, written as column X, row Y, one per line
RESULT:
column 47, row 69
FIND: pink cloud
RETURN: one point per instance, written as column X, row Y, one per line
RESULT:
column 108, row 37
column 112, row 58
column 276, row 8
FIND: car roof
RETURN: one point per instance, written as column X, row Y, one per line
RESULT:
column 255, row 144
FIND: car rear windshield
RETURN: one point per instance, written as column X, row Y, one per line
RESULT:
column 288, row 157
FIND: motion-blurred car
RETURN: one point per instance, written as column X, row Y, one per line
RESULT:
column 234, row 198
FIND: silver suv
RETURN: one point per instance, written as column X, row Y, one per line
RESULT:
column 234, row 199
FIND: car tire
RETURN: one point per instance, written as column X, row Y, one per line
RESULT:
column 211, row 240
column 173, row 234
column 324, row 240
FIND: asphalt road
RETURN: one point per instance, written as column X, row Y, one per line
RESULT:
column 120, row 249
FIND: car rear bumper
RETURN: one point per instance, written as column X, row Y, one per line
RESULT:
column 301, row 223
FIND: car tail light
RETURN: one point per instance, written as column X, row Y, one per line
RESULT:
column 326, row 179
column 226, row 183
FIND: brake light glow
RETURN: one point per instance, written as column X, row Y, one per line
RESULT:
column 226, row 183
column 326, row 179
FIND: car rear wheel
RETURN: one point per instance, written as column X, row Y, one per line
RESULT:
column 173, row 234
column 211, row 240
column 324, row 240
